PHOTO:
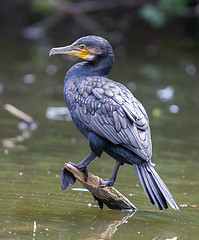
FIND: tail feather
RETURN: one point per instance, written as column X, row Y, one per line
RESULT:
column 165, row 191
column 154, row 188
column 142, row 182
column 157, row 192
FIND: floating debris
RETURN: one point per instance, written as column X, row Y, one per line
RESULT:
column 58, row 113
column 34, row 228
column 192, row 206
column 174, row 238
column 80, row 189
column 183, row 205
column 166, row 94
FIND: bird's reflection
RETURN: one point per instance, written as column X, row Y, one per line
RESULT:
column 105, row 225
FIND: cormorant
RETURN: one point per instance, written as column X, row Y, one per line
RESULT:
column 110, row 117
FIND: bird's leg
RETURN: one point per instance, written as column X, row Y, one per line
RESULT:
column 111, row 180
column 68, row 177
column 82, row 166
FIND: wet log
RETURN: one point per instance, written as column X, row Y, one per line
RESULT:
column 108, row 195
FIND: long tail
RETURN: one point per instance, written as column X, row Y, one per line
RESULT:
column 154, row 188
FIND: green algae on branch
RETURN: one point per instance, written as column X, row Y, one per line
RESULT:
column 108, row 195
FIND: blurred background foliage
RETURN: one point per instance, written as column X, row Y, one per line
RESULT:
column 61, row 17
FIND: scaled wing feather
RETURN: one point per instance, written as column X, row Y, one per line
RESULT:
column 120, row 118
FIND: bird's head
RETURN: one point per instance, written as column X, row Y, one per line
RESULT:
column 87, row 48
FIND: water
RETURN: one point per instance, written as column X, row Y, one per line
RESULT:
column 32, row 204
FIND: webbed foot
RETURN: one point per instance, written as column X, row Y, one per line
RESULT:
column 111, row 180
column 67, row 178
column 82, row 168
column 104, row 182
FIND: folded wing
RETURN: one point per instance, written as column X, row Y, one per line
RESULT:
column 110, row 110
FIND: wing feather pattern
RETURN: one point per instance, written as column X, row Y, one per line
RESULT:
column 112, row 112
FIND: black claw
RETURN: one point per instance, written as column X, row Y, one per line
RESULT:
column 100, row 203
column 67, row 178
column 104, row 182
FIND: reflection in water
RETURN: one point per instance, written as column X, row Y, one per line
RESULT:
column 11, row 142
column 26, row 126
column 30, row 181
column 105, row 225
column 34, row 229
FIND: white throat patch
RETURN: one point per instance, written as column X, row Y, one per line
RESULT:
column 89, row 57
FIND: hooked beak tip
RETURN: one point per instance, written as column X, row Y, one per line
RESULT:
column 51, row 52
column 61, row 50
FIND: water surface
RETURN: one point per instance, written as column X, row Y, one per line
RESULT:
column 32, row 204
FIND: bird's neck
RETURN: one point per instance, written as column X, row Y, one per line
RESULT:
column 99, row 67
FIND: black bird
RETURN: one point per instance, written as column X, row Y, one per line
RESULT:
column 110, row 117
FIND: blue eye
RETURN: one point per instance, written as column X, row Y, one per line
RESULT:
column 82, row 46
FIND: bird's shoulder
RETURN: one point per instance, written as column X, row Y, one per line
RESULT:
column 100, row 88
column 104, row 96
column 92, row 95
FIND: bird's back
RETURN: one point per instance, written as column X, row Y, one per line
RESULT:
column 109, row 109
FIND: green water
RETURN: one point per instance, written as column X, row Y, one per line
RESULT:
column 30, row 168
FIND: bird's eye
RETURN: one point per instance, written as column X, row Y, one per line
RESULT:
column 82, row 46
